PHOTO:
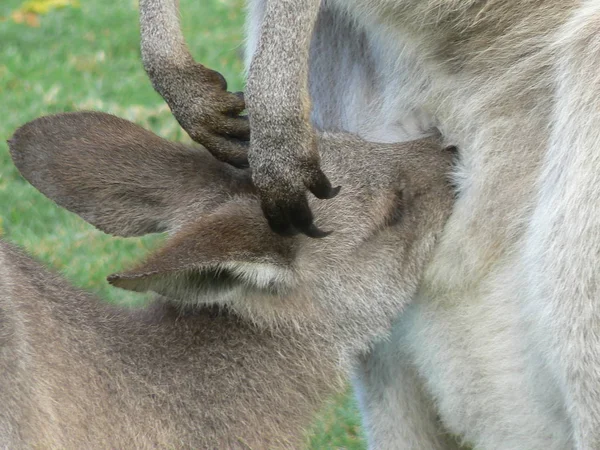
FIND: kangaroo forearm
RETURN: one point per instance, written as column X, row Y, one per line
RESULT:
column 278, row 78
column 162, row 42
column 197, row 95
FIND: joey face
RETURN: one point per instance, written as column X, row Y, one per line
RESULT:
column 395, row 202
column 221, row 249
column 387, row 185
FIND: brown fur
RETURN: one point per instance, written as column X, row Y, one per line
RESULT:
column 197, row 95
column 501, row 346
column 184, row 373
column 79, row 374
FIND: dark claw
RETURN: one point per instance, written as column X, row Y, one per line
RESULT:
column 320, row 186
column 239, row 162
column 334, row 192
column 314, row 232
column 278, row 220
column 289, row 221
column 302, row 219
column 300, row 214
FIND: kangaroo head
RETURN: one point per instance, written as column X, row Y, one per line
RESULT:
column 127, row 181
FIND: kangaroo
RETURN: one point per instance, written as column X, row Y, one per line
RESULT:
column 250, row 331
column 501, row 342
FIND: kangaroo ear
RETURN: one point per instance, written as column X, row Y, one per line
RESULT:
column 233, row 247
column 119, row 177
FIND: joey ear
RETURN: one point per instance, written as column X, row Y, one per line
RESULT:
column 118, row 176
column 229, row 248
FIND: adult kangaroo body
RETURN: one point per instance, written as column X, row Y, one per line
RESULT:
column 502, row 342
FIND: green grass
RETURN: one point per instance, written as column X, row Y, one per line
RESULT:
column 88, row 58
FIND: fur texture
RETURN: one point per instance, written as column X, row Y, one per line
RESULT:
column 197, row 95
column 502, row 341
column 251, row 330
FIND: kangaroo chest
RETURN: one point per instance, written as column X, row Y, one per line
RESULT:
column 468, row 330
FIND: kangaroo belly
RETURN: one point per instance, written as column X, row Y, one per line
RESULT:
column 476, row 356
column 469, row 331
column 489, row 90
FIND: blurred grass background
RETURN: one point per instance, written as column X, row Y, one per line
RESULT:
column 57, row 55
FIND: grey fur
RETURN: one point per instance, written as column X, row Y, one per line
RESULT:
column 502, row 341
column 253, row 330
column 197, row 95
